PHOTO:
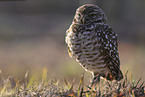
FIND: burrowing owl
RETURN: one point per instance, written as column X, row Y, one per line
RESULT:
column 93, row 43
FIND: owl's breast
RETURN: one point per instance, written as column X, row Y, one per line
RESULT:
column 93, row 60
column 84, row 46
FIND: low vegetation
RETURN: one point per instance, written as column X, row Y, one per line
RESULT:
column 52, row 87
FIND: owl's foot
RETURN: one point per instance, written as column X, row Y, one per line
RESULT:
column 96, row 80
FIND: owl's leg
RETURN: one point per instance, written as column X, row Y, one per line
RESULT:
column 96, row 78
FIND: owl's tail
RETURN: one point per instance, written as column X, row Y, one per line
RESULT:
column 110, row 76
column 115, row 72
column 117, row 76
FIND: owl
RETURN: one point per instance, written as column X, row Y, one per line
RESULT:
column 93, row 43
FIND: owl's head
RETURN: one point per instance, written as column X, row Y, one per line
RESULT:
column 89, row 13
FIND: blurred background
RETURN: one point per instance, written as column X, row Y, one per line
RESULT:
column 32, row 36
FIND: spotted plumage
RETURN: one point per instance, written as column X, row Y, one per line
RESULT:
column 93, row 43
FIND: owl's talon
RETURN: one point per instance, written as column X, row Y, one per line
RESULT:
column 96, row 80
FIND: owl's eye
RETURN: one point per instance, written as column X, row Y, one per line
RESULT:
column 92, row 15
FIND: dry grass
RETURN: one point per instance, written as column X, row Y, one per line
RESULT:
column 52, row 87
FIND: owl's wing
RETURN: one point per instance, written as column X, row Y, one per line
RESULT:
column 108, row 46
